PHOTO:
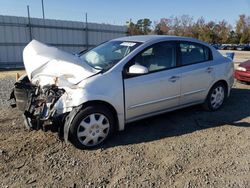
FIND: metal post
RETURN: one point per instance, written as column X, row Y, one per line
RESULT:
column 43, row 10
column 29, row 22
column 86, row 31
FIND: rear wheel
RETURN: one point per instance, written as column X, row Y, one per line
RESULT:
column 92, row 126
column 216, row 97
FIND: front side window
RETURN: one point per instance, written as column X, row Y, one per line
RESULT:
column 106, row 55
column 193, row 53
column 157, row 57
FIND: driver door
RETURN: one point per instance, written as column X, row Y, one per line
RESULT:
column 159, row 89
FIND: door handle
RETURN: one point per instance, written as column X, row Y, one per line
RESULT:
column 173, row 78
column 209, row 69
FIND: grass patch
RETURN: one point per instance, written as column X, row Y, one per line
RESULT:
column 5, row 74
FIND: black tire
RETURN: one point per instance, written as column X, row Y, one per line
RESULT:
column 85, row 113
column 208, row 105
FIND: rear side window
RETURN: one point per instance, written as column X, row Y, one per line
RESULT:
column 194, row 53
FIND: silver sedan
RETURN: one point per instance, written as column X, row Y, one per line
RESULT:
column 94, row 94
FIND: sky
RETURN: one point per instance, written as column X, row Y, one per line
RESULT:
column 119, row 11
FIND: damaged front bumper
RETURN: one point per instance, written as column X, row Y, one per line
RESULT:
column 37, row 104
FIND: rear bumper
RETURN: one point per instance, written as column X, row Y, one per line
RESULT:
column 242, row 76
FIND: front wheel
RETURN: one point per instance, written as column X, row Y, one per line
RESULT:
column 91, row 126
column 216, row 97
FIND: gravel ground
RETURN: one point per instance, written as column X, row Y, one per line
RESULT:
column 185, row 148
column 6, row 84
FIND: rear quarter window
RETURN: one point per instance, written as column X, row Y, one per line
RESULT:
column 192, row 53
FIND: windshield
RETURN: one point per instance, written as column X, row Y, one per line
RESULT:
column 106, row 55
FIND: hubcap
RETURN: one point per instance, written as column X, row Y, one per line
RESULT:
column 93, row 129
column 217, row 97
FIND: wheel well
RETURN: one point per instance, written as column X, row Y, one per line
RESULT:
column 224, row 83
column 109, row 106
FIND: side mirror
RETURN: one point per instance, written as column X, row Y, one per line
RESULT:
column 137, row 69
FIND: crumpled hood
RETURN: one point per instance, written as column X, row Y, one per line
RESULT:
column 48, row 65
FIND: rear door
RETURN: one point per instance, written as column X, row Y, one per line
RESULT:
column 197, row 72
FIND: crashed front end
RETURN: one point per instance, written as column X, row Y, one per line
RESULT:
column 52, row 87
column 37, row 104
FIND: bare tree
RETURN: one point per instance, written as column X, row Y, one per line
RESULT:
column 211, row 31
column 242, row 29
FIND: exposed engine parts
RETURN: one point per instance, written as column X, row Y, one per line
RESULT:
column 36, row 102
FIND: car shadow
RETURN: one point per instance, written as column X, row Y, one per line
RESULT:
column 185, row 121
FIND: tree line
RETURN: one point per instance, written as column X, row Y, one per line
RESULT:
column 212, row 32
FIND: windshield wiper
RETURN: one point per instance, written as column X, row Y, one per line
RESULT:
column 98, row 67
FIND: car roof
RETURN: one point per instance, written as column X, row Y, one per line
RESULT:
column 160, row 38
column 147, row 38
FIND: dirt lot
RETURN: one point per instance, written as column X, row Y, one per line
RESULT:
column 240, row 56
column 4, row 74
column 185, row 148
